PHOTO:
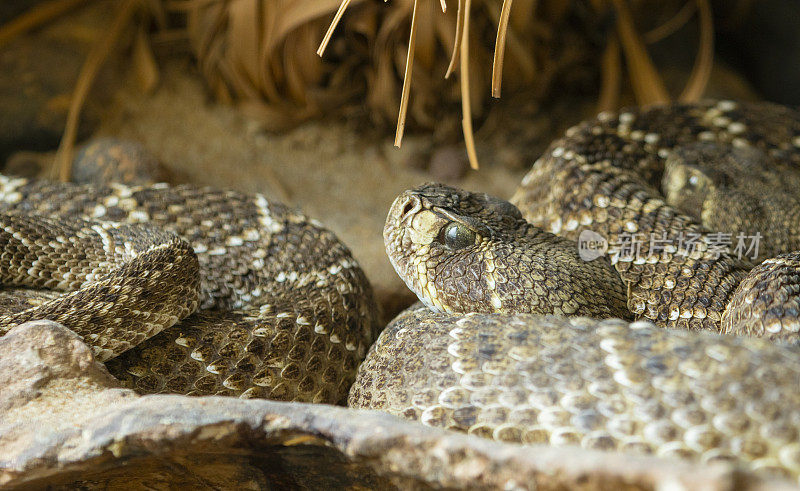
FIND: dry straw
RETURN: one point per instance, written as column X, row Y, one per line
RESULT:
column 646, row 82
column 258, row 54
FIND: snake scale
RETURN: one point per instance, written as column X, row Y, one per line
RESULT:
column 524, row 337
column 188, row 290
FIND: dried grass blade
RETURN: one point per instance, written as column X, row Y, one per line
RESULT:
column 611, row 74
column 701, row 72
column 500, row 48
column 647, row 84
column 457, row 43
column 185, row 5
column 426, row 53
column 144, row 62
column 35, row 17
column 297, row 14
column 204, row 30
column 669, row 27
column 444, row 6
column 401, row 118
column 156, row 9
column 296, row 73
column 334, row 23
column 524, row 51
column 466, row 109
column 243, row 36
column 89, row 70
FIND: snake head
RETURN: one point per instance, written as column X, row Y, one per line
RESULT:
column 440, row 240
column 471, row 252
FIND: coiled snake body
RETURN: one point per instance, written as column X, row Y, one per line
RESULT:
column 188, row 290
column 546, row 352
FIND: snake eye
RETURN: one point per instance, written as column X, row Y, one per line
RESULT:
column 456, row 235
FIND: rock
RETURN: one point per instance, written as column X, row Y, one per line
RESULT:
column 449, row 163
column 46, row 371
column 65, row 424
column 106, row 160
column 101, row 160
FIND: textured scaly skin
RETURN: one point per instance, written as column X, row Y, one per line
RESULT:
column 604, row 176
column 285, row 312
column 604, row 385
column 608, row 384
column 106, row 271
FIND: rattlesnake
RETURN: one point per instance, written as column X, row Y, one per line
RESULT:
column 188, row 290
column 546, row 353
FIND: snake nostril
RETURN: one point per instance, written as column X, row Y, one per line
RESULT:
column 409, row 207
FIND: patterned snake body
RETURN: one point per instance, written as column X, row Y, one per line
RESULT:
column 197, row 291
column 285, row 312
column 662, row 175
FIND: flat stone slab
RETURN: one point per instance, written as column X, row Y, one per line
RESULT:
column 64, row 423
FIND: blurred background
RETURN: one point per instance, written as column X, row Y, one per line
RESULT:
column 233, row 93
